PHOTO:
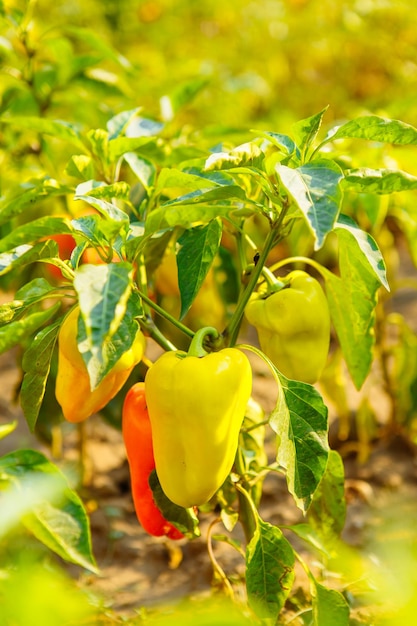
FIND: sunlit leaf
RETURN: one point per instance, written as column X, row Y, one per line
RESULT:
column 314, row 188
column 366, row 180
column 375, row 128
column 60, row 521
column 347, row 230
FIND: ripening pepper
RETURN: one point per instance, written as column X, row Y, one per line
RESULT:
column 72, row 388
column 196, row 403
column 137, row 436
column 293, row 326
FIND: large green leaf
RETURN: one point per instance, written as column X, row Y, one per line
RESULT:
column 269, row 570
column 30, row 195
column 366, row 180
column 103, row 292
column 352, row 296
column 187, row 215
column 26, row 254
column 66, row 131
column 198, row 247
column 33, row 231
column 349, row 233
column 36, row 365
column 375, row 128
column 315, row 190
column 300, row 421
column 53, row 513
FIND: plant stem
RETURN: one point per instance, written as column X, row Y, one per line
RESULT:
column 187, row 331
column 248, row 515
column 232, row 330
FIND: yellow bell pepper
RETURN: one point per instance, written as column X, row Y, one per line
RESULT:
column 196, row 404
column 293, row 326
column 72, row 388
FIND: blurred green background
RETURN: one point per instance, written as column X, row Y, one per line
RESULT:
column 265, row 61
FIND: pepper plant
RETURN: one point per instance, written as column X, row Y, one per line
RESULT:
column 132, row 195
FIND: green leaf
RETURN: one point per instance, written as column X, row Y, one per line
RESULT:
column 103, row 292
column 247, row 154
column 34, row 290
column 283, row 142
column 36, row 365
column 352, row 297
column 122, row 145
column 26, row 254
column 98, row 139
column 366, row 180
column 80, row 166
column 329, row 606
column 208, row 195
column 39, row 190
column 300, row 421
column 117, row 125
column 173, row 178
column 69, row 133
column 270, row 570
column 305, row 131
column 311, row 536
column 98, row 189
column 348, row 232
column 14, row 332
column 327, row 513
column 107, row 209
column 314, row 188
column 181, row 96
column 184, row 519
column 62, row 523
column 375, row 128
column 33, row 231
column 198, row 247
column 143, row 169
column 186, row 216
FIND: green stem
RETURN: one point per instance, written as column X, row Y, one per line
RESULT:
column 248, row 515
column 154, row 332
column 187, row 331
column 232, row 329
column 197, row 347
column 298, row 259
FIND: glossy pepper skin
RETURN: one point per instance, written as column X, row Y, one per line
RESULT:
column 293, row 326
column 137, row 436
column 72, row 387
column 196, row 406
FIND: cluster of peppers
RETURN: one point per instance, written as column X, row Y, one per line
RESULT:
column 184, row 420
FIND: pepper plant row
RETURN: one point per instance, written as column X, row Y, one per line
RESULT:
column 145, row 239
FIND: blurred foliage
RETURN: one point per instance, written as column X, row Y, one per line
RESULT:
column 269, row 60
